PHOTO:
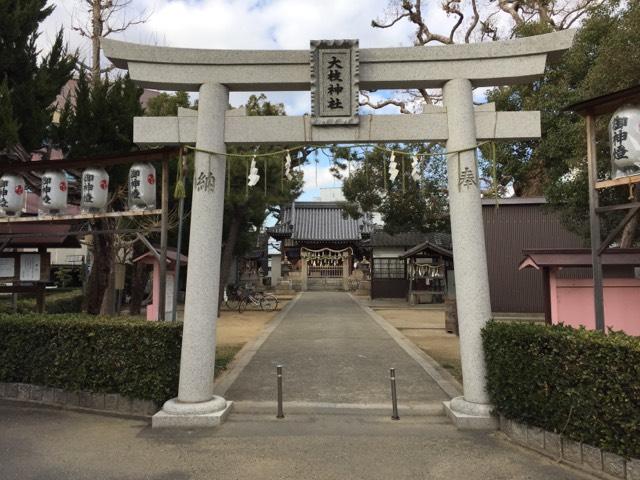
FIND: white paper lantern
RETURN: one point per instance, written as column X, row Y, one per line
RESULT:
column 624, row 136
column 12, row 195
column 142, row 186
column 95, row 190
column 54, row 191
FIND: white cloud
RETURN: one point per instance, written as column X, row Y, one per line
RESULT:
column 319, row 177
column 253, row 24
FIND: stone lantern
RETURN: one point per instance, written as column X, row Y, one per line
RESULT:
column 285, row 267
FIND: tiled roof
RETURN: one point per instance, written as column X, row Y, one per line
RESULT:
column 380, row 238
column 318, row 221
column 428, row 246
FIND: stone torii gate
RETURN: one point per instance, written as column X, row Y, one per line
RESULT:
column 457, row 69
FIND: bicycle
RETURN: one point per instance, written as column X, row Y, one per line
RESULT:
column 232, row 297
column 267, row 302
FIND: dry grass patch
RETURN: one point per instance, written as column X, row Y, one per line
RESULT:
column 425, row 328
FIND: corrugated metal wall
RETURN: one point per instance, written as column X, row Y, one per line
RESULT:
column 510, row 229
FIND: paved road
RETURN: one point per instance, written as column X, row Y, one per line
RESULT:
column 48, row 444
column 333, row 352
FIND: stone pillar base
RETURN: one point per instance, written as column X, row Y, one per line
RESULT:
column 175, row 414
column 470, row 416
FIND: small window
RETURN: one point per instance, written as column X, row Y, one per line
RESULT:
column 388, row 268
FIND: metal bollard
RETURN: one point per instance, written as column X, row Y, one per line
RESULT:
column 394, row 396
column 279, row 376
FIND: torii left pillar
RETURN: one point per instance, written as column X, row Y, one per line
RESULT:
column 196, row 405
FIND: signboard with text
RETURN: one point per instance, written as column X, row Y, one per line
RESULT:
column 24, row 267
column 334, row 82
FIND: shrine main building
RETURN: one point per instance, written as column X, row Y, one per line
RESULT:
column 320, row 244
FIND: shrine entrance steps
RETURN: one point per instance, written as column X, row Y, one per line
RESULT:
column 336, row 357
column 325, row 284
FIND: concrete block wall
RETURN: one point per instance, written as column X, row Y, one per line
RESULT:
column 87, row 401
column 580, row 455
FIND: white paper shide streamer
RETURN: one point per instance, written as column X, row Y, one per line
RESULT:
column 415, row 168
column 287, row 167
column 393, row 167
column 254, row 177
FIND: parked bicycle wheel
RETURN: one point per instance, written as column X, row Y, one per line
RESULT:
column 269, row 303
column 231, row 298
column 242, row 305
column 232, row 303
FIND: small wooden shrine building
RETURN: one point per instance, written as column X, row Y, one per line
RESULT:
column 319, row 244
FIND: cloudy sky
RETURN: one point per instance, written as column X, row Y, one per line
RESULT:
column 251, row 24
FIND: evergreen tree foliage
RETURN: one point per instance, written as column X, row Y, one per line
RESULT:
column 100, row 121
column 604, row 59
column 404, row 204
column 29, row 84
column 166, row 104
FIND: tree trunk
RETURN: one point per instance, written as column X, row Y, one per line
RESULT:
column 96, row 33
column 629, row 232
column 100, row 270
column 108, row 306
column 227, row 252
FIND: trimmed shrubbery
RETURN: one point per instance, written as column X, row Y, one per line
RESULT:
column 135, row 358
column 55, row 302
column 580, row 383
column 67, row 302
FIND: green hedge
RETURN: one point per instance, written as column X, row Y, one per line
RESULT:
column 55, row 302
column 69, row 302
column 134, row 358
column 583, row 384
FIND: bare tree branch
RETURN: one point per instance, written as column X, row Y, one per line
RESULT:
column 453, row 7
column 102, row 23
column 378, row 23
column 383, row 103
column 474, row 22
column 511, row 7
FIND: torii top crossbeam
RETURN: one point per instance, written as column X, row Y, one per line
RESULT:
column 484, row 64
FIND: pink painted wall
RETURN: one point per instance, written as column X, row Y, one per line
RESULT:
column 572, row 303
column 153, row 307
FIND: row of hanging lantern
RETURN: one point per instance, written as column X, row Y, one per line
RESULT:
column 54, row 191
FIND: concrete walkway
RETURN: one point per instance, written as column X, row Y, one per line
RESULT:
column 334, row 352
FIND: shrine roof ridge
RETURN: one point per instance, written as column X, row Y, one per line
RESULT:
column 318, row 221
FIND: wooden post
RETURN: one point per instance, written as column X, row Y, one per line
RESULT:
column 594, row 222
column 546, row 295
column 40, row 289
column 346, row 263
column 40, row 297
column 304, row 271
column 163, row 240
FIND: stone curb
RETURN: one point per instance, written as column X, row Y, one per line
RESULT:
column 109, row 403
column 579, row 455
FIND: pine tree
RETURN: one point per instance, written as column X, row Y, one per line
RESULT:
column 29, row 83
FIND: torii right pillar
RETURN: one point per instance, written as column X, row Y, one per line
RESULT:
column 473, row 410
